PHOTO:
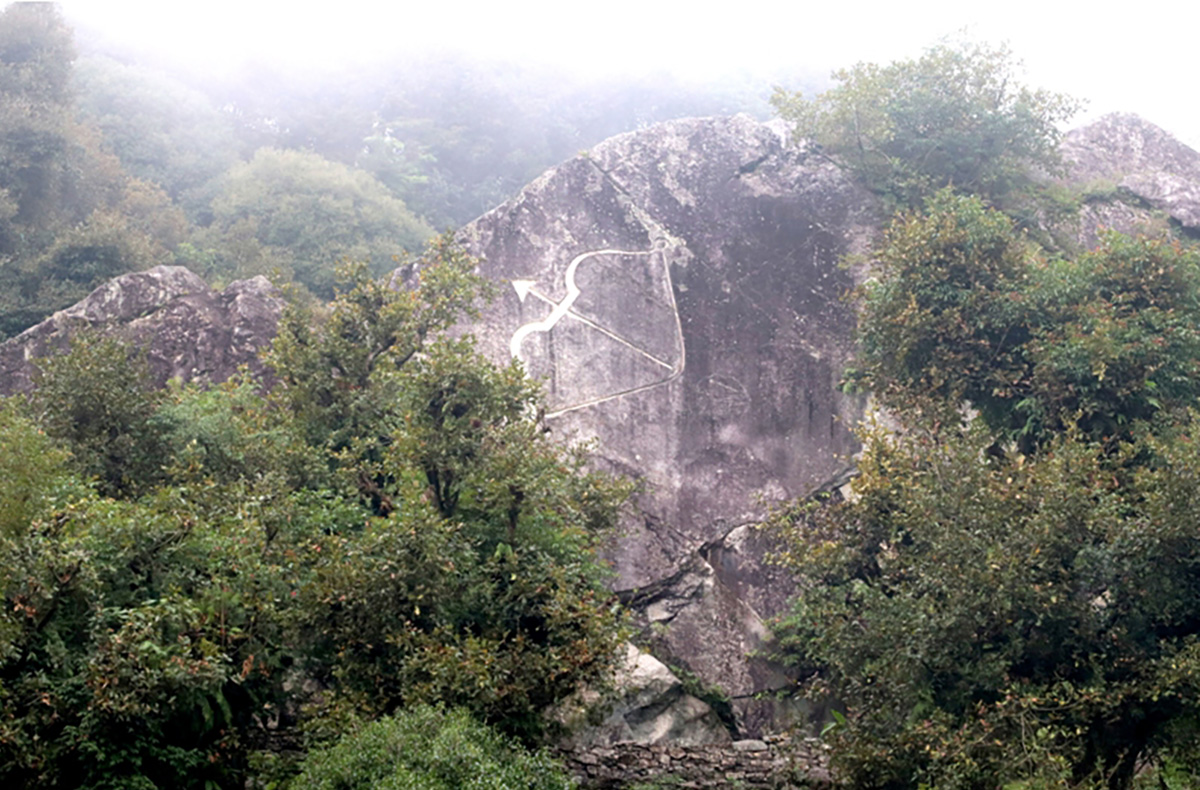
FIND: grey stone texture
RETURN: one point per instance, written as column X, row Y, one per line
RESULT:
column 1141, row 158
column 651, row 706
column 188, row 331
column 775, row 762
column 679, row 292
column 1135, row 178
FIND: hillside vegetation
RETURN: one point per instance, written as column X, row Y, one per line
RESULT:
column 377, row 569
column 1007, row 595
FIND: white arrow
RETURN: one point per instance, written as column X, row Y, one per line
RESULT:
column 560, row 309
column 523, row 287
column 563, row 308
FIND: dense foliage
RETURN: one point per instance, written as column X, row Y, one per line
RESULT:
column 305, row 213
column 187, row 574
column 984, row 622
column 956, row 116
column 99, row 401
column 70, row 217
column 387, row 545
column 965, row 308
column 1008, row 592
column 429, row 749
column 162, row 130
column 480, row 585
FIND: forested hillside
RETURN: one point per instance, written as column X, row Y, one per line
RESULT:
column 1006, row 593
column 378, row 563
column 115, row 165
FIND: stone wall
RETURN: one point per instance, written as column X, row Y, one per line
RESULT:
column 774, row 762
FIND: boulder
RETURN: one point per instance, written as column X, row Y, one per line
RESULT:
column 188, row 331
column 678, row 290
column 649, row 706
column 1135, row 177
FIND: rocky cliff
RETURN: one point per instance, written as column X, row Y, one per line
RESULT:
column 1134, row 176
column 188, row 331
column 678, row 289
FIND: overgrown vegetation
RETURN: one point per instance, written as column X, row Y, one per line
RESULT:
column 957, row 116
column 386, row 564
column 426, row 747
column 1008, row 595
column 389, row 527
column 70, row 217
column 967, row 309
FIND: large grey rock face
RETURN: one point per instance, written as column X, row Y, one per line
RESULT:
column 187, row 330
column 1135, row 170
column 678, row 290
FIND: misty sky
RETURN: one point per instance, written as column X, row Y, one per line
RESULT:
column 1136, row 58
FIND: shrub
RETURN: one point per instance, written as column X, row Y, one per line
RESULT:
column 428, row 748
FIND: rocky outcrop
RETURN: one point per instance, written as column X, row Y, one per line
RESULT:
column 650, row 706
column 678, row 290
column 1134, row 177
column 188, row 331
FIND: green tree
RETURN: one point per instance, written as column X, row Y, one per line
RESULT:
column 338, row 375
column 966, row 309
column 426, row 748
column 70, row 217
column 36, row 53
column 483, row 587
column 478, row 581
column 983, row 622
column 31, row 469
column 391, row 526
column 98, row 401
column 145, row 643
column 1007, row 593
column 956, row 116
column 315, row 214
column 161, row 130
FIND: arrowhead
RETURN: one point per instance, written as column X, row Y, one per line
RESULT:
column 523, row 287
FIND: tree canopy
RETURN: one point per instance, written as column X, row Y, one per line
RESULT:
column 956, row 116
column 314, row 213
column 70, row 216
column 964, row 308
column 390, row 527
column 1006, row 595
column 162, row 130
column 986, row 623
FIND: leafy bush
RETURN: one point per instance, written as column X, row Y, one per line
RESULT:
column 427, row 748
column 957, row 116
column 479, row 582
column 99, row 401
column 965, row 308
column 984, row 621
column 32, row 470
column 391, row 526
